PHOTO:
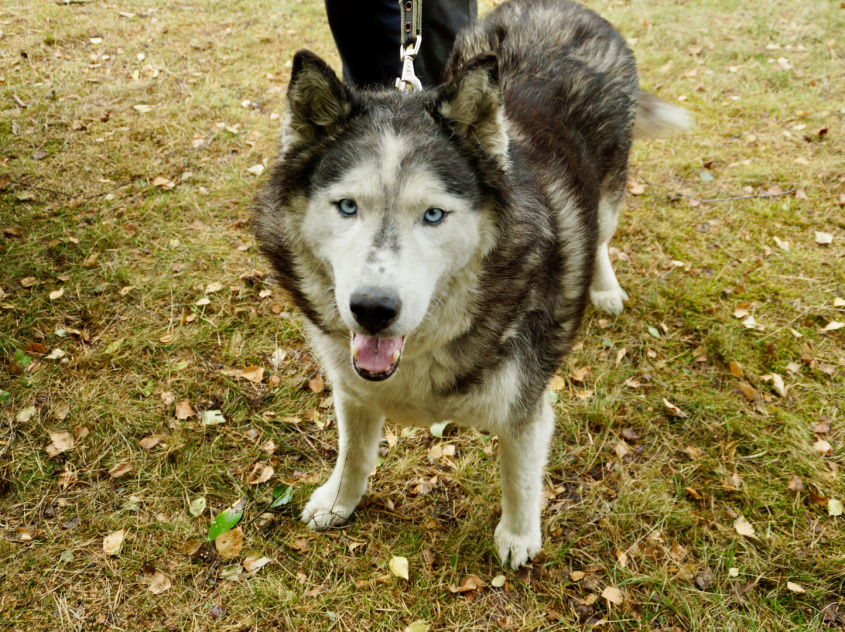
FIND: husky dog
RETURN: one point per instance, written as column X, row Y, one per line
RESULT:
column 442, row 244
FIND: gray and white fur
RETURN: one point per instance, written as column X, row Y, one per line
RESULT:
column 462, row 228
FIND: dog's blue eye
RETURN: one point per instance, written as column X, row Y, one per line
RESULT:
column 434, row 216
column 347, row 207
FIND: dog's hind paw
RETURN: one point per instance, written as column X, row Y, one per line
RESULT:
column 609, row 301
column 325, row 510
column 516, row 548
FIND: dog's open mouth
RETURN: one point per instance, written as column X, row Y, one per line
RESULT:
column 376, row 358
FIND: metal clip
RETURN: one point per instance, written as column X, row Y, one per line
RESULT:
column 408, row 80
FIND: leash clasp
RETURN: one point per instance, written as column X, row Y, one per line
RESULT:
column 409, row 80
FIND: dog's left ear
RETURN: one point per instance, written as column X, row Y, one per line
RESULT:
column 473, row 102
column 317, row 102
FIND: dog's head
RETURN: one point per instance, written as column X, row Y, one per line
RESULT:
column 379, row 208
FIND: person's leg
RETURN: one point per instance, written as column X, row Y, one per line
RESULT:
column 366, row 33
column 441, row 21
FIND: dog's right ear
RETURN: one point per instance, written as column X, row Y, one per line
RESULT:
column 317, row 102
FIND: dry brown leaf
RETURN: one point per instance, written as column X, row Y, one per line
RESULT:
column 823, row 447
column 622, row 558
column 184, row 410
column 577, row 576
column 61, row 442
column 823, row 238
column 252, row 563
column 161, row 181
column 112, row 542
column 148, row 443
column 747, row 390
column 121, row 469
column 57, row 294
column 300, row 544
column 742, row 310
column 579, row 375
column 157, row 582
column 673, row 410
column 254, row 374
column 795, row 483
column 229, row 544
column 613, row 595
column 316, row 384
column 469, row 583
column 28, row 281
column 743, row 527
column 833, row 325
column 636, row 188
column 260, row 474
column 557, row 383
column 736, row 369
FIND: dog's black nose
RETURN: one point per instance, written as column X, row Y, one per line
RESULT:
column 375, row 310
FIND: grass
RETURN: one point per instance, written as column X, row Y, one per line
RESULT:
column 627, row 481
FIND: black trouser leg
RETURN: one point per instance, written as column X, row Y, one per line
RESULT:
column 366, row 33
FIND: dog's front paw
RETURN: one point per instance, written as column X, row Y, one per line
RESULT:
column 609, row 301
column 517, row 548
column 326, row 509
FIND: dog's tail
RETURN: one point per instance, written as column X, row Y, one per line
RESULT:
column 656, row 117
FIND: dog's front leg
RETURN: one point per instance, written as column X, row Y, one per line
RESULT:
column 359, row 430
column 522, row 459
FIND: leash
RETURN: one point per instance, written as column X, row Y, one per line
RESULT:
column 411, row 37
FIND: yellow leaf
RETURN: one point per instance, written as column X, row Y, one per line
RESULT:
column 399, row 566
column 796, row 588
column 57, row 294
column 557, row 383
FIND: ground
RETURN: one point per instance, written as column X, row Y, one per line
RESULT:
column 696, row 471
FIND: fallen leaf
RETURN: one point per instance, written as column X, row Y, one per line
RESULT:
column 399, row 566
column 577, row 576
column 253, row 564
column 184, row 410
column 61, row 442
column 742, row 310
column 498, row 581
column 748, row 391
column 557, row 383
column 796, row 588
column 622, row 558
column 316, row 384
column 733, row 571
column 256, row 170
column 212, row 418
column 579, row 375
column 636, row 188
column 438, row 428
column 158, row 582
column 795, row 483
column 736, row 369
column 835, row 507
column 469, row 583
column 121, row 469
column 832, row 325
column 226, row 520
column 260, row 474
column 162, row 182
column 112, row 542
column 57, row 294
column 26, row 414
column 823, row 447
column 673, row 410
column 743, row 527
column 613, row 595
column 300, row 544
column 148, row 443
column 418, row 626
column 230, row 543
column 704, row 578
column 216, row 286
column 197, row 506
column 254, row 374
column 823, row 238
column 783, row 245
column 777, row 383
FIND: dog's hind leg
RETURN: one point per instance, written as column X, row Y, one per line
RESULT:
column 522, row 461
column 359, row 432
column 605, row 292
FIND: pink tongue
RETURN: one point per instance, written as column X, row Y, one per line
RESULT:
column 376, row 354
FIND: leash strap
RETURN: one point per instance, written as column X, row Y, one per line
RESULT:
column 411, row 37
